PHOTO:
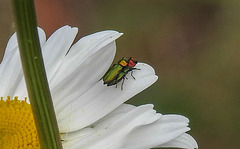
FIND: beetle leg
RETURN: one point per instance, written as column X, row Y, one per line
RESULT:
column 132, row 75
column 132, row 72
column 122, row 83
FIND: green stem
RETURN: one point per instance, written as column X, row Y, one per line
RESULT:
column 35, row 76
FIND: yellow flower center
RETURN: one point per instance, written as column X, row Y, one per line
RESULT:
column 17, row 127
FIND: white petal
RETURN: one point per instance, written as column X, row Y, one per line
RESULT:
column 164, row 130
column 83, row 50
column 53, row 52
column 11, row 74
column 183, row 141
column 111, row 131
column 99, row 100
column 11, row 68
column 56, row 47
column 82, row 70
column 13, row 44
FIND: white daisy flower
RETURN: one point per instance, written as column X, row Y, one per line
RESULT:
column 90, row 114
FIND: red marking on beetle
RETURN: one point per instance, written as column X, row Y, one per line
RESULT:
column 131, row 63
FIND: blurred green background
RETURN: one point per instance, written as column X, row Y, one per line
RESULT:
column 193, row 46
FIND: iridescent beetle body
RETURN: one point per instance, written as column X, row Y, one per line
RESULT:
column 118, row 71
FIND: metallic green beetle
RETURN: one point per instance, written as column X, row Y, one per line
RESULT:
column 118, row 71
